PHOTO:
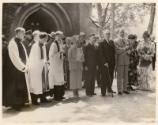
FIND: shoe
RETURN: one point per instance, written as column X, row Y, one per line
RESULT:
column 113, row 91
column 110, row 94
column 62, row 98
column 17, row 108
column 94, row 94
column 89, row 95
column 132, row 89
column 45, row 100
column 126, row 92
column 59, row 99
column 119, row 93
column 35, row 103
column 103, row 95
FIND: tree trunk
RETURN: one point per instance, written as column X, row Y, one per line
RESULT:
column 99, row 10
column 152, row 16
column 112, row 19
column 102, row 17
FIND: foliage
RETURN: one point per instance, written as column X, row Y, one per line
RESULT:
column 126, row 15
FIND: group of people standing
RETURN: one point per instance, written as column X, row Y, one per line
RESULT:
column 38, row 64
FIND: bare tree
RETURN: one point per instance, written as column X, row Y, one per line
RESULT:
column 112, row 19
column 103, row 18
column 152, row 17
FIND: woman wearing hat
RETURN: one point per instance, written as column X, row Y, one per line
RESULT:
column 134, row 60
column 146, row 52
column 76, row 58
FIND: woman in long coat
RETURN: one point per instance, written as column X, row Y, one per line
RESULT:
column 134, row 60
column 76, row 58
column 56, row 70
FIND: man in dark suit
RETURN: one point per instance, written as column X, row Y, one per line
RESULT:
column 90, row 55
column 107, row 60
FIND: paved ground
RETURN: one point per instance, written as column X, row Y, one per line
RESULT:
column 134, row 108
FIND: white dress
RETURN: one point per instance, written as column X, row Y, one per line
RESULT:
column 35, row 69
column 56, row 71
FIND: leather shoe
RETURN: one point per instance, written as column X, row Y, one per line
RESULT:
column 119, row 93
column 126, row 92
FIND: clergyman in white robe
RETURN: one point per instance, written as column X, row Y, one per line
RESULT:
column 56, row 71
column 35, row 69
column 16, row 92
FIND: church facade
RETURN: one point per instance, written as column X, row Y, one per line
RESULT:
column 71, row 18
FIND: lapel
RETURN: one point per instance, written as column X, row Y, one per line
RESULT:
column 108, row 43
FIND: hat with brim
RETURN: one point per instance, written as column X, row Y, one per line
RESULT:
column 82, row 34
column 146, row 34
column 19, row 29
column 75, row 38
column 92, row 34
column 58, row 33
column 28, row 32
column 36, row 32
column 43, row 35
column 52, row 34
column 131, row 36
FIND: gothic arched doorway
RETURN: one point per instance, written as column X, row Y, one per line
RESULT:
column 45, row 17
column 40, row 20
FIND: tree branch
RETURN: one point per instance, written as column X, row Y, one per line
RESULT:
column 95, row 22
column 107, row 20
column 99, row 10
column 105, row 14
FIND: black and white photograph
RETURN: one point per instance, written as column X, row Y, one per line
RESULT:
column 78, row 62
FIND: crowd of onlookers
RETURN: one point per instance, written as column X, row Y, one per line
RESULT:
column 37, row 64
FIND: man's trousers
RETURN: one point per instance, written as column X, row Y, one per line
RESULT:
column 122, row 78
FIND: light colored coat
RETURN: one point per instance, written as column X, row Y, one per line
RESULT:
column 75, row 65
column 122, row 57
column 56, row 71
column 35, row 69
